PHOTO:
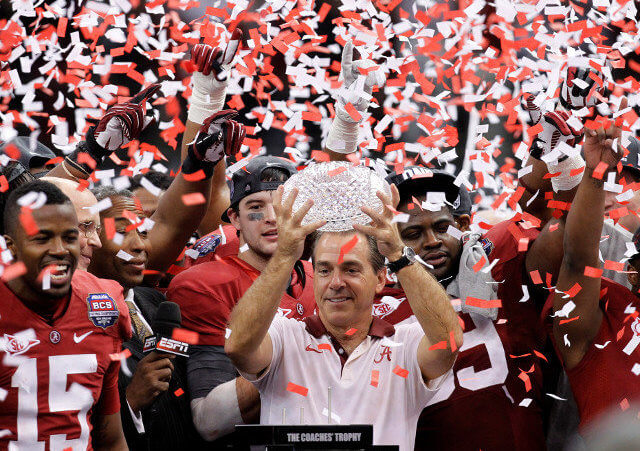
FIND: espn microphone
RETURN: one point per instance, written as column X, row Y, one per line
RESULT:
column 166, row 320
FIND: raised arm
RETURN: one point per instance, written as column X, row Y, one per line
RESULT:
column 120, row 125
column 355, row 92
column 429, row 301
column 581, row 243
column 210, row 80
column 176, row 218
column 249, row 344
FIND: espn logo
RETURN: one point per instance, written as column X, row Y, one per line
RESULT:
column 172, row 347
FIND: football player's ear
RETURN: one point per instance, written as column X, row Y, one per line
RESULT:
column 10, row 245
column 463, row 222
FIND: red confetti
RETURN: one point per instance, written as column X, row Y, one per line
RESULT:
column 624, row 404
column 575, row 289
column 355, row 114
column 299, row 389
column 336, row 171
column 195, row 177
column 13, row 271
column 347, row 247
column 439, row 345
column 193, row 199
column 398, row 370
column 523, row 244
column 535, row 277
column 375, row 377
column 28, row 223
column 483, row 303
column 565, row 321
column 452, row 341
column 179, row 392
column 600, row 169
column 527, row 381
column 614, row 266
column 541, row 355
column 351, row 331
column 590, row 271
column 109, row 227
column 478, row 266
column 120, row 355
column 324, row 346
column 4, row 185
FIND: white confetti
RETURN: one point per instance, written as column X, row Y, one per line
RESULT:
column 636, row 369
column 244, row 248
column 551, row 395
column 124, row 255
column 602, row 346
column 525, row 402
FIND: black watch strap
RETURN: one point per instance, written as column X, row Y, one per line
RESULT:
column 399, row 264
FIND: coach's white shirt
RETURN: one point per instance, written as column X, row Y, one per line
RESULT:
column 305, row 355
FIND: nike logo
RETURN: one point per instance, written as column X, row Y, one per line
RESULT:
column 78, row 339
column 309, row 348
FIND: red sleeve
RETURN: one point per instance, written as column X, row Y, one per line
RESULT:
column 109, row 402
column 206, row 295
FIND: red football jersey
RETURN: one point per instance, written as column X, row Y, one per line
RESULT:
column 492, row 399
column 214, row 246
column 607, row 376
column 55, row 375
column 208, row 292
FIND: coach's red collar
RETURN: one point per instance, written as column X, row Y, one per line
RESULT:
column 379, row 328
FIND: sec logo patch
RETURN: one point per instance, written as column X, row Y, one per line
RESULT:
column 103, row 311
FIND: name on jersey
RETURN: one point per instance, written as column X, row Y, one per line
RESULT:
column 103, row 311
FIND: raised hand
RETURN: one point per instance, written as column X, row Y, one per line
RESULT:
column 220, row 135
column 599, row 144
column 578, row 89
column 291, row 232
column 123, row 122
column 382, row 227
column 210, row 77
column 350, row 73
column 555, row 128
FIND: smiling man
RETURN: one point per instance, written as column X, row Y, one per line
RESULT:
column 208, row 292
column 88, row 221
column 61, row 328
column 379, row 374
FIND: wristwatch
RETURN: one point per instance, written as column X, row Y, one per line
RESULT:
column 408, row 258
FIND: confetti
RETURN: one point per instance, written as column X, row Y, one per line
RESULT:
column 351, row 331
column 592, row 272
column 347, row 247
column 179, row 392
column 120, row 355
column 124, row 255
column 193, row 199
column 399, row 371
column 299, row 389
column 375, row 377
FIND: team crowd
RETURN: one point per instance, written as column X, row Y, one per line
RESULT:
column 153, row 309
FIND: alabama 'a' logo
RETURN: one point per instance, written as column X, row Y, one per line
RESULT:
column 385, row 352
column 103, row 311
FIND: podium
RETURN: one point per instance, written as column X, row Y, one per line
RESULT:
column 306, row 437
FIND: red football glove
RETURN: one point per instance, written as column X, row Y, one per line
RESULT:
column 123, row 122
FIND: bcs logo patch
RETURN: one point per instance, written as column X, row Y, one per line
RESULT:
column 18, row 345
column 103, row 311
column 207, row 244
